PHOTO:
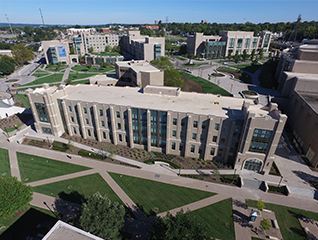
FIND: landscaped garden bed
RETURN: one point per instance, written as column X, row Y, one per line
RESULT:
column 274, row 170
column 246, row 78
column 278, row 190
column 232, row 180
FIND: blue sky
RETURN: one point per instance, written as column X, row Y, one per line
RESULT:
column 139, row 11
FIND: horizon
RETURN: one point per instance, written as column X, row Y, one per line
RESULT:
column 98, row 12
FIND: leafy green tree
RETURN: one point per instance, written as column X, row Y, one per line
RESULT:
column 172, row 78
column 270, row 55
column 13, row 196
column 6, row 67
column 261, row 53
column 89, row 66
column 146, row 31
column 252, row 54
column 244, row 55
column 101, row 217
column 68, row 81
column 21, row 54
column 72, row 50
column 260, row 205
column 229, row 55
column 107, row 49
column 163, row 63
column 265, row 224
column 116, row 49
column 236, row 57
column 216, row 173
column 91, row 49
column 181, row 226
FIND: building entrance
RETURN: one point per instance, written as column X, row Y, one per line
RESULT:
column 253, row 165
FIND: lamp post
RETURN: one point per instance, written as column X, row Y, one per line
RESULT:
column 179, row 166
column 281, row 178
column 54, row 213
column 48, row 142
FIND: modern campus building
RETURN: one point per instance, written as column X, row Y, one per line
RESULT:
column 297, row 75
column 164, row 119
column 76, row 31
column 228, row 42
column 141, row 47
column 58, row 51
column 96, row 59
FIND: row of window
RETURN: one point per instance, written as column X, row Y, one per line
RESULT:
column 192, row 148
column 195, row 124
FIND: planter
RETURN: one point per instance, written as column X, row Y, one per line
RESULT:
column 250, row 94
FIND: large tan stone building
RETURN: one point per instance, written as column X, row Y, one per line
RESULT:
column 141, row 47
column 155, row 118
column 58, row 51
column 297, row 75
column 228, row 42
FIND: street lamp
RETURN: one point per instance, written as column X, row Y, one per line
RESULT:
column 48, row 142
column 281, row 178
column 54, row 213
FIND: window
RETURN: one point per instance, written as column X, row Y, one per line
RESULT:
column 223, row 140
column 120, row 138
column 195, row 124
column 86, row 120
column 220, row 153
column 46, row 130
column 183, row 121
column 119, row 125
column 88, row 132
column 102, row 123
column 74, row 130
column 101, row 112
column 41, row 110
column 85, row 110
column 212, row 152
column 215, row 139
column 203, row 125
column 247, row 43
column 181, row 146
column 174, row 133
column 239, row 43
column 173, row 146
column 181, row 134
column 260, row 140
column 202, row 137
column 70, row 108
column 231, row 43
column 72, row 119
column 217, row 126
column 104, row 135
column 194, row 136
column 224, row 128
column 174, row 121
column 118, row 114
column 192, row 148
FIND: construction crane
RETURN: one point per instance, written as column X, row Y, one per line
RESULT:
column 295, row 29
column 42, row 17
column 9, row 24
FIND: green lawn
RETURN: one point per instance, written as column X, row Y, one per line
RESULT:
column 288, row 219
column 24, row 99
column 248, row 67
column 80, row 75
column 52, row 68
column 207, row 86
column 37, row 168
column 86, row 185
column 4, row 163
column 80, row 68
column 181, row 58
column 40, row 73
column 107, row 54
column 48, row 79
column 26, row 224
column 149, row 195
column 246, row 78
column 85, row 81
column 194, row 64
column 216, row 217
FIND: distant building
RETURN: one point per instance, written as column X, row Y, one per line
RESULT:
column 151, row 27
column 58, row 51
column 105, row 30
column 96, row 59
column 142, row 47
column 204, row 21
column 297, row 75
column 228, row 42
column 230, row 130
column 6, row 52
column 76, row 31
column 158, row 22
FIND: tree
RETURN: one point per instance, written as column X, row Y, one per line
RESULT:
column 91, row 49
column 265, row 224
column 163, row 63
column 7, row 58
column 236, row 57
column 244, row 55
column 261, row 53
column 270, row 55
column 229, row 56
column 278, row 54
column 260, row 205
column 68, row 81
column 6, row 67
column 181, row 226
column 216, row 173
column 13, row 196
column 172, row 78
column 101, row 217
column 21, row 54
column 89, row 65
column 72, row 50
column 252, row 54
column 107, row 49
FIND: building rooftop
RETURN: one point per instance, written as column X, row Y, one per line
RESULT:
column 138, row 66
column 311, row 99
column 198, row 103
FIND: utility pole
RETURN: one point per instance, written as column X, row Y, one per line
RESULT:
column 167, row 22
column 42, row 17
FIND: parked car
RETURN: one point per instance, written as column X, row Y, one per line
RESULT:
column 15, row 84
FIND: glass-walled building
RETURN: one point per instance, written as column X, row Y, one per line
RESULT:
column 163, row 119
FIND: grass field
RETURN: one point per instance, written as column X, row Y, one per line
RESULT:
column 248, row 67
column 4, row 163
column 48, row 79
column 207, row 86
column 37, row 168
column 80, row 75
column 180, row 58
column 149, row 195
column 40, row 73
column 216, row 217
column 288, row 219
column 79, row 68
column 85, row 81
column 52, row 68
column 24, row 99
column 86, row 185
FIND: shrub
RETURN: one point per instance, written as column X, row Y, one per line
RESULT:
column 85, row 153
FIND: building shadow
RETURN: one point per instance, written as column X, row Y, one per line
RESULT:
column 240, row 204
column 241, row 219
column 74, row 197
column 65, row 210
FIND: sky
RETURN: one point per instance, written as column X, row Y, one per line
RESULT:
column 96, row 12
